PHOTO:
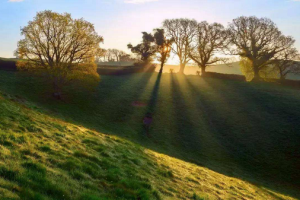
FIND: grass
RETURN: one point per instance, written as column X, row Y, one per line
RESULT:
column 247, row 132
column 47, row 158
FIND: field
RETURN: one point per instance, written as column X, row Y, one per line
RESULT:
column 8, row 64
column 246, row 131
column 230, row 68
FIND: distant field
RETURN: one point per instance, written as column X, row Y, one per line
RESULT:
column 116, row 64
column 244, row 130
column 232, row 68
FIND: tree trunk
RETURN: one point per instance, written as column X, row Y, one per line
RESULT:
column 181, row 70
column 161, row 67
column 203, row 72
column 256, row 74
column 282, row 78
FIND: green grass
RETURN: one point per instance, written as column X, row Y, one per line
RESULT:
column 241, row 130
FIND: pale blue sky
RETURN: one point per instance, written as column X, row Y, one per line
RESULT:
column 122, row 21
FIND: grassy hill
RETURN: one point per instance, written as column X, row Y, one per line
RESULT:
column 47, row 158
column 244, row 132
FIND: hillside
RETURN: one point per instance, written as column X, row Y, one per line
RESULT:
column 243, row 130
column 46, row 158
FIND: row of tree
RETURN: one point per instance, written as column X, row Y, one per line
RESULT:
column 258, row 42
column 114, row 55
column 64, row 49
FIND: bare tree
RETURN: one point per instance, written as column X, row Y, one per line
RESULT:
column 163, row 46
column 287, row 62
column 61, row 47
column 117, row 54
column 183, row 32
column 210, row 39
column 110, row 56
column 258, row 40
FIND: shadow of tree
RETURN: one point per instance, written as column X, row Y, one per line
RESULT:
column 232, row 128
column 254, row 148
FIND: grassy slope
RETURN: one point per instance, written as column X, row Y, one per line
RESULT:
column 243, row 130
column 46, row 158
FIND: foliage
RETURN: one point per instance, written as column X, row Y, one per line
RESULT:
column 163, row 46
column 258, row 40
column 146, row 49
column 60, row 48
column 268, row 72
column 286, row 63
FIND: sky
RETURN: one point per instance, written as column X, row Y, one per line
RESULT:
column 121, row 21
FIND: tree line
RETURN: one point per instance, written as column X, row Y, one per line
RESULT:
column 114, row 55
column 262, row 47
column 65, row 50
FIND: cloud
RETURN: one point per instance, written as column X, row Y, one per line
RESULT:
column 138, row 1
column 15, row 0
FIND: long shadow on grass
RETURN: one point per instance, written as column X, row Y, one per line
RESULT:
column 277, row 131
column 186, row 137
column 251, row 148
column 151, row 106
column 220, row 122
column 116, row 98
column 154, row 95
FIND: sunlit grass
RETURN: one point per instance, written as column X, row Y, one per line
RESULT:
column 47, row 158
column 242, row 130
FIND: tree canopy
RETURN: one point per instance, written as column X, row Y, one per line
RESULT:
column 163, row 46
column 210, row 39
column 145, row 49
column 258, row 40
column 287, row 62
column 62, row 48
column 183, row 32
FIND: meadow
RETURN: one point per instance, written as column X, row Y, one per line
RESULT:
column 247, row 131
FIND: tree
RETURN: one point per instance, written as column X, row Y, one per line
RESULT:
column 101, row 57
column 118, row 54
column 61, row 48
column 127, row 58
column 163, row 46
column 286, row 63
column 258, row 40
column 183, row 32
column 268, row 72
column 146, row 49
column 110, row 55
column 210, row 39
